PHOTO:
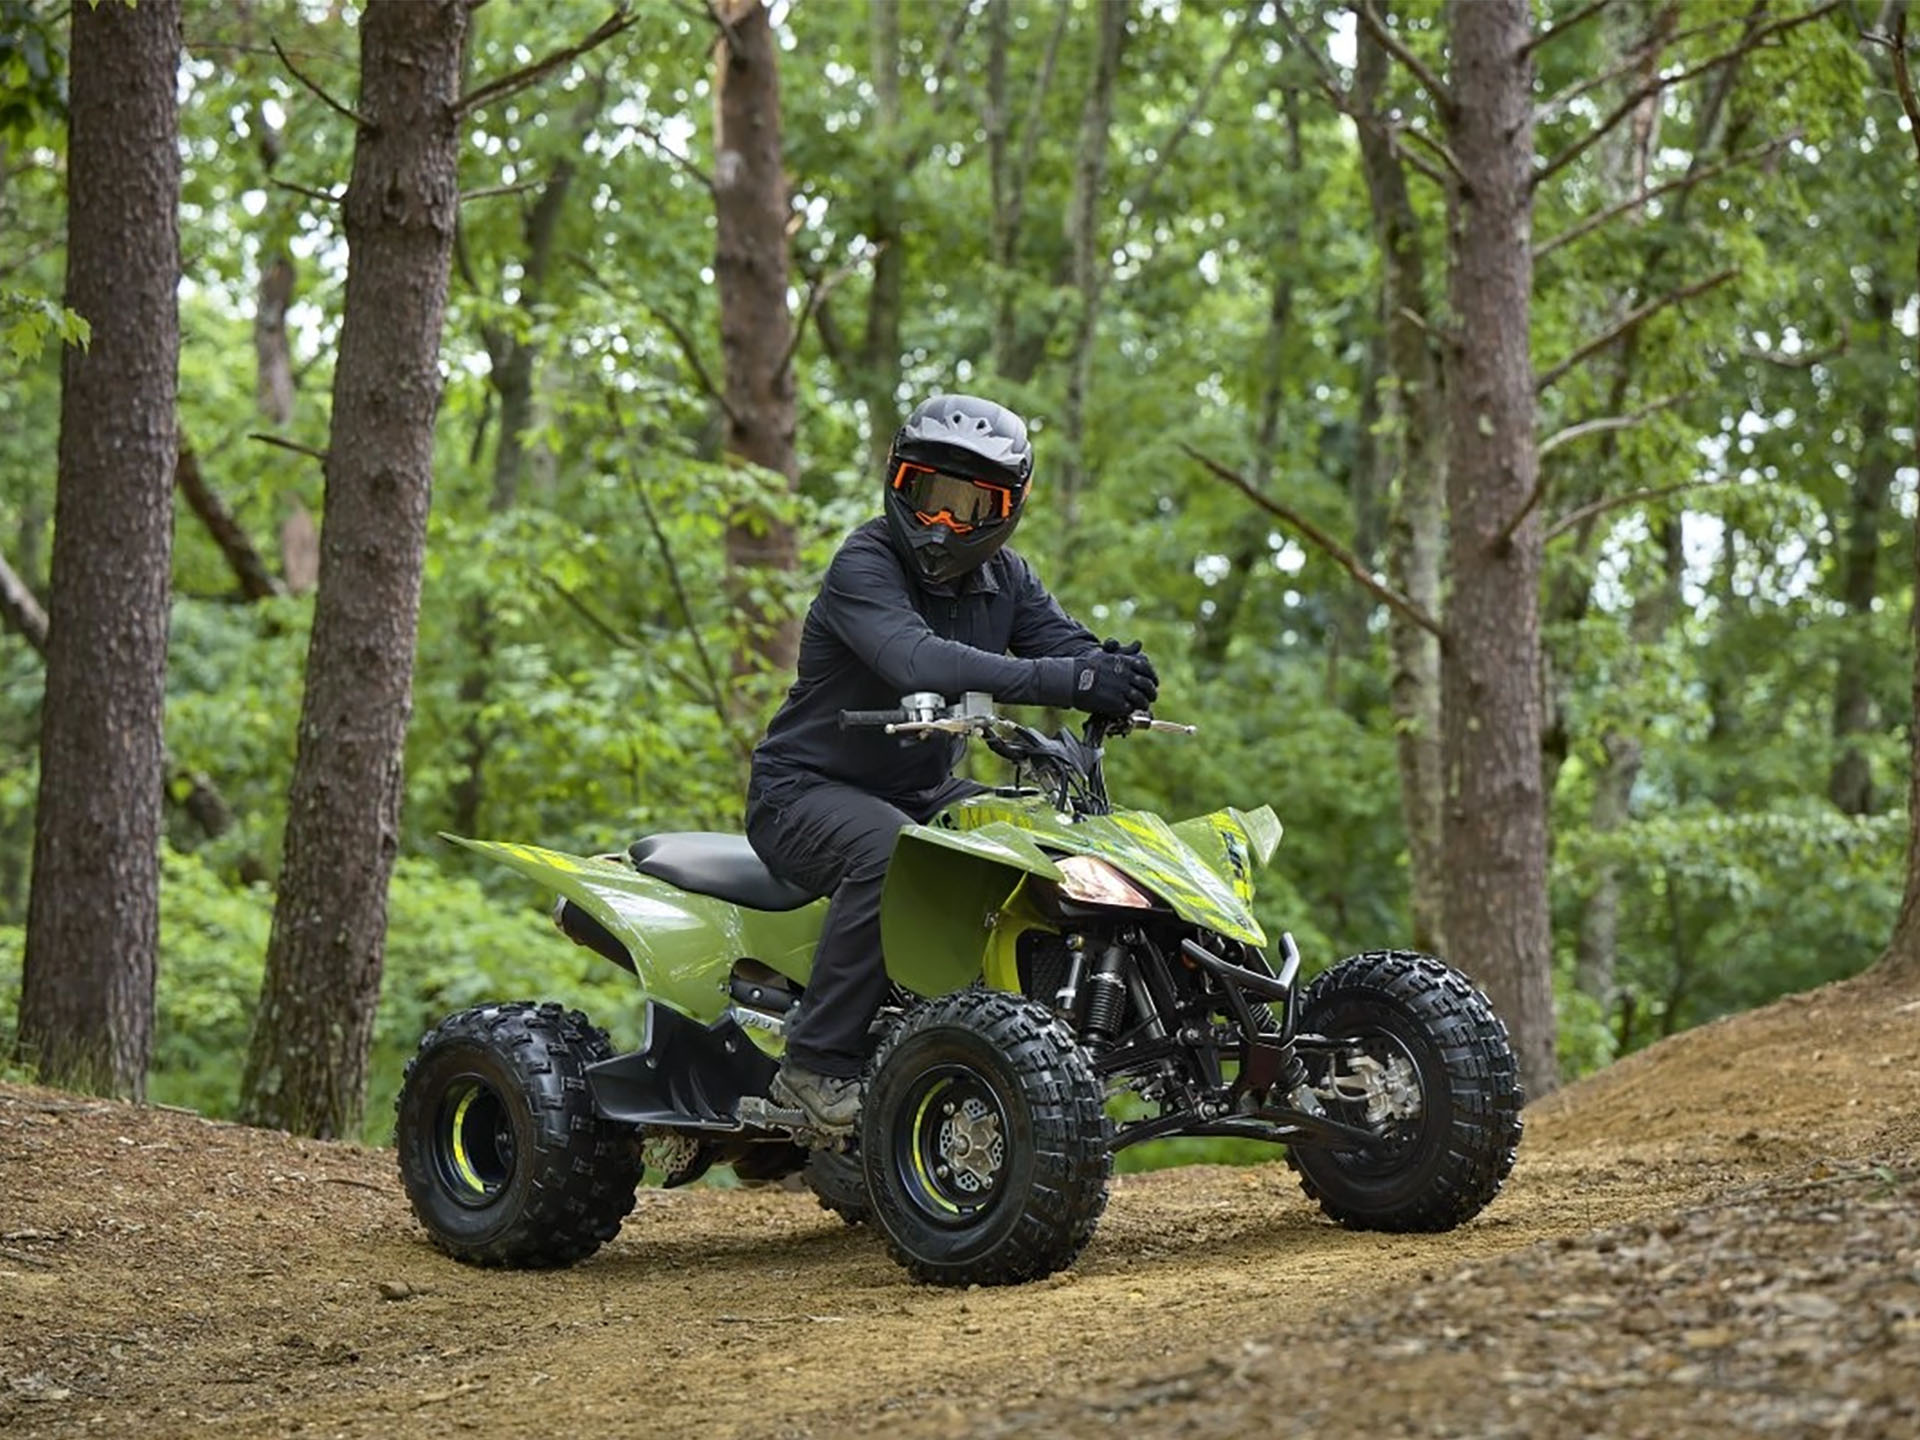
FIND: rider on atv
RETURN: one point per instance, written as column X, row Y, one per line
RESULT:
column 927, row 599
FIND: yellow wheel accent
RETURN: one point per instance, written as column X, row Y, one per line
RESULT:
column 931, row 1191
column 459, row 1137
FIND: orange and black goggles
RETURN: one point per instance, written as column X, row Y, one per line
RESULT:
column 954, row 501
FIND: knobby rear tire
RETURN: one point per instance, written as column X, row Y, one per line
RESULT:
column 501, row 1153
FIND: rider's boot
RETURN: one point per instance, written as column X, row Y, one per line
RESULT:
column 831, row 1103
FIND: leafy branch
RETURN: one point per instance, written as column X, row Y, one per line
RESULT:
column 512, row 82
column 1319, row 538
column 1630, row 322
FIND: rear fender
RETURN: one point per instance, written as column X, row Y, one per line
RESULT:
column 683, row 945
column 949, row 913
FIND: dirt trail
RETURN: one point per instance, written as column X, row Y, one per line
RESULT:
column 165, row 1275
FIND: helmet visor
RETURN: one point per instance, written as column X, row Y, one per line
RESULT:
column 954, row 501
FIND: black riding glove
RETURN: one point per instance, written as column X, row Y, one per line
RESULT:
column 1114, row 682
column 1114, row 647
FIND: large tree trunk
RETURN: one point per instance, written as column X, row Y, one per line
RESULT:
column 1902, row 958
column 1091, row 264
column 756, row 332
column 1414, row 427
column 1850, row 782
column 878, row 382
column 1495, row 821
column 93, row 918
column 306, row 1070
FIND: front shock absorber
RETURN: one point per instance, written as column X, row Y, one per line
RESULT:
column 1107, row 993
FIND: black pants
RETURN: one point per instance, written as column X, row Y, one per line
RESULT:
column 836, row 840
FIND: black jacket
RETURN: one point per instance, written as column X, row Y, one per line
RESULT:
column 876, row 632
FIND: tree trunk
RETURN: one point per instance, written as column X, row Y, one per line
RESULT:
column 1090, row 261
column 1019, row 343
column 879, row 380
column 1622, row 749
column 273, row 355
column 1902, row 958
column 93, row 917
column 1415, row 424
column 1495, row 821
column 1850, row 783
column 306, row 1069
column 756, row 332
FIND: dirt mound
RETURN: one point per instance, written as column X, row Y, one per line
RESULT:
column 162, row 1274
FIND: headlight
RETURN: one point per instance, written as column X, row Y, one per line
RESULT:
column 1095, row 882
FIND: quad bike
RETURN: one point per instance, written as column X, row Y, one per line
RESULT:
column 1050, row 954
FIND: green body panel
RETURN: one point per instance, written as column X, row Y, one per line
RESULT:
column 955, row 904
column 683, row 945
column 947, row 896
column 1187, row 866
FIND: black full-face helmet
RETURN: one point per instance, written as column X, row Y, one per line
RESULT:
column 957, row 480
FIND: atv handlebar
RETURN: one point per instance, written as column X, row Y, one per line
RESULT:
column 860, row 719
column 973, row 714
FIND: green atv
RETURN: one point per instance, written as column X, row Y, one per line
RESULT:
column 1049, row 954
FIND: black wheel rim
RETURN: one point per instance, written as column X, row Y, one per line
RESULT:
column 950, row 1144
column 473, row 1147
column 1399, row 1137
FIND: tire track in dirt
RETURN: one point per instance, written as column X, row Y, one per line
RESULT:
column 164, row 1275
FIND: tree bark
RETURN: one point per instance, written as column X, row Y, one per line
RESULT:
column 1495, row 820
column 1090, row 261
column 93, row 916
column 306, row 1068
column 1902, row 957
column 756, row 332
column 273, row 354
column 1850, row 782
column 1415, row 427
column 879, row 378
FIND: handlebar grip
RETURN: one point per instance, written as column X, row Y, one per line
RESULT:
column 849, row 719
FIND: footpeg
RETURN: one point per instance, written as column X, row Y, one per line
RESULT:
column 761, row 1113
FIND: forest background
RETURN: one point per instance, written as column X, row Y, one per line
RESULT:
column 1204, row 247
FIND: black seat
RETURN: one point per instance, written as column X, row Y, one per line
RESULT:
column 723, row 866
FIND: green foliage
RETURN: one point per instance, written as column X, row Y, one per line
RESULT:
column 27, row 322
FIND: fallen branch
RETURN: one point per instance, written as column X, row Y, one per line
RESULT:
column 1346, row 559
column 1631, row 321
column 1396, row 47
column 1633, row 101
column 285, row 444
column 332, row 104
column 519, row 79
column 1576, row 518
column 1680, row 182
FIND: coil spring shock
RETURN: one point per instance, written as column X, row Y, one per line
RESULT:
column 1107, row 993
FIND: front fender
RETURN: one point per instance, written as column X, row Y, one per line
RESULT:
column 946, row 892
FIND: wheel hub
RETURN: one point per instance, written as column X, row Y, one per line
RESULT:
column 970, row 1143
column 1389, row 1089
